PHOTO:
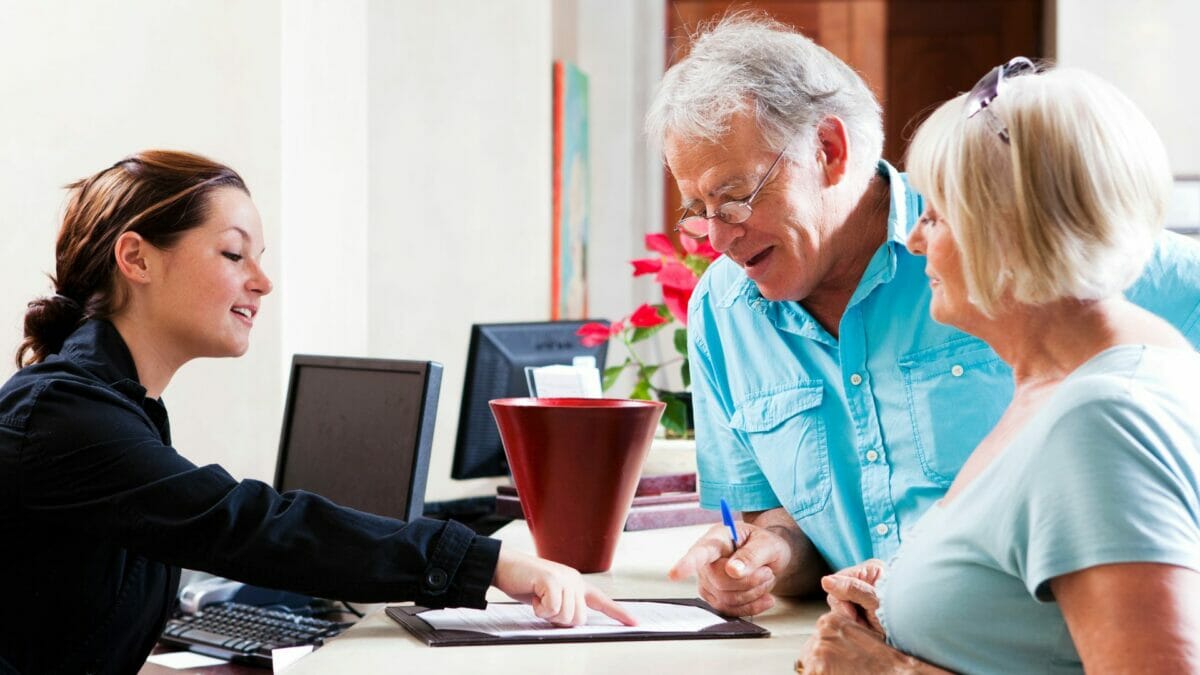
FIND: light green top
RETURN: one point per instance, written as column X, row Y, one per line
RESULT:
column 1107, row 472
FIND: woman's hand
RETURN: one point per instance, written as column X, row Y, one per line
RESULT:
column 843, row 644
column 557, row 593
column 852, row 593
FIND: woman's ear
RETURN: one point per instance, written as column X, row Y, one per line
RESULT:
column 132, row 253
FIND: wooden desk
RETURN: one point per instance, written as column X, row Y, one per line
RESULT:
column 378, row 644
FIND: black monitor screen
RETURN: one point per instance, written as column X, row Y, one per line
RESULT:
column 496, row 362
column 359, row 432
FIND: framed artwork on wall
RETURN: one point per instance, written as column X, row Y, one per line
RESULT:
column 571, row 194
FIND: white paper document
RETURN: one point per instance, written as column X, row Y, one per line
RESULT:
column 184, row 660
column 579, row 380
column 284, row 657
column 516, row 620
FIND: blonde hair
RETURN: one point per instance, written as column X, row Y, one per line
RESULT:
column 1069, row 209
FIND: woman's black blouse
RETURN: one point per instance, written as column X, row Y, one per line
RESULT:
column 98, row 512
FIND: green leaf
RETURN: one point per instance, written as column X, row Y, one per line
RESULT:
column 647, row 372
column 641, row 391
column 681, row 341
column 696, row 264
column 685, row 371
column 611, row 375
column 664, row 312
column 675, row 416
column 640, row 334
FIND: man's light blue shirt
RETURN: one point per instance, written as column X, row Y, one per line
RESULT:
column 856, row 436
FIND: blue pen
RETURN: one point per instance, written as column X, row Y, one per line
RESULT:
column 728, row 518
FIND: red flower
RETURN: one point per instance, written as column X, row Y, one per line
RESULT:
column 699, row 247
column 646, row 316
column 646, row 266
column 661, row 244
column 677, row 284
column 675, row 274
column 676, row 300
column 593, row 334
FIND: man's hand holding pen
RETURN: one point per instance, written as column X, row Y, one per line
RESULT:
column 735, row 581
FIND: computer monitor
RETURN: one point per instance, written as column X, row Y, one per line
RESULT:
column 360, row 431
column 496, row 362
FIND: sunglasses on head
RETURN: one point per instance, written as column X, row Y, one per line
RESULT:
column 989, row 87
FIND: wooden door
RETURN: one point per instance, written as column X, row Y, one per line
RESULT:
column 939, row 48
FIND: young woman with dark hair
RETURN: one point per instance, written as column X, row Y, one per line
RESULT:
column 158, row 263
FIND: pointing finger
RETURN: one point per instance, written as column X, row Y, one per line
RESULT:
column 606, row 605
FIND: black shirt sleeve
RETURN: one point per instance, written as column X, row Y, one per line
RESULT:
column 94, row 462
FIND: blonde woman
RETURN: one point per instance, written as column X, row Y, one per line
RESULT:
column 1070, row 540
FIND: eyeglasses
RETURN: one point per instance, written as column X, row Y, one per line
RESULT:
column 989, row 87
column 734, row 213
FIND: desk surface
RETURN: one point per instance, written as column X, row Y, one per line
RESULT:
column 378, row 644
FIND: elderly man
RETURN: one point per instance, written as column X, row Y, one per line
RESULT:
column 830, row 409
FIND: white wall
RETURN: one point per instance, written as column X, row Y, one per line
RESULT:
column 435, row 120
column 620, row 48
column 416, row 183
column 323, row 253
column 86, row 83
column 399, row 151
column 459, row 108
column 1151, row 51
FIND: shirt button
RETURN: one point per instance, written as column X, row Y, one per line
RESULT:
column 856, row 379
column 872, row 455
column 881, row 529
column 436, row 579
column 956, row 370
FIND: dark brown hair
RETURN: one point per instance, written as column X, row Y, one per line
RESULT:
column 159, row 194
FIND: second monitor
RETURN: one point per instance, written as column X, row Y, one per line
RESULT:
column 496, row 362
column 360, row 432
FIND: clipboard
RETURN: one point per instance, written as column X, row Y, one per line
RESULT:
column 409, row 617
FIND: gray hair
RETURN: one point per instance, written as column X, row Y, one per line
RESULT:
column 750, row 63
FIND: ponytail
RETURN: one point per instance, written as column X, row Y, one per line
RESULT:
column 49, row 321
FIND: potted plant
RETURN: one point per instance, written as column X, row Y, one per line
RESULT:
column 676, row 272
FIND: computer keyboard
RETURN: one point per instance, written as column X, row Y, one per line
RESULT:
column 245, row 633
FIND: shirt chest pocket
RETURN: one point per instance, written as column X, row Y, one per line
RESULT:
column 955, row 394
column 787, row 436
